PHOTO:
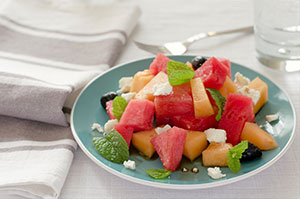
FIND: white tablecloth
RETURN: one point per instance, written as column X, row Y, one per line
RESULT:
column 170, row 20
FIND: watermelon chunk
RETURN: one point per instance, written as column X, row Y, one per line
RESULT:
column 125, row 131
column 180, row 102
column 169, row 145
column 138, row 115
column 226, row 62
column 238, row 109
column 213, row 73
column 196, row 124
column 109, row 110
column 159, row 64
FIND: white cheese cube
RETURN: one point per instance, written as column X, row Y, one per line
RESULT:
column 162, row 89
column 128, row 96
column 129, row 164
column 252, row 93
column 215, row 173
column 125, row 84
column 109, row 125
column 215, row 135
column 240, row 80
column 160, row 130
column 98, row 127
column 272, row 117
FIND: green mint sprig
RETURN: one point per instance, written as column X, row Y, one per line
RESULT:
column 235, row 154
column 219, row 99
column 112, row 147
column 158, row 173
column 119, row 106
column 179, row 73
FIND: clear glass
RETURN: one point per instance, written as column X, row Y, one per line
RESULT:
column 277, row 33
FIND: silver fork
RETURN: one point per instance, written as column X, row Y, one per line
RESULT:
column 180, row 47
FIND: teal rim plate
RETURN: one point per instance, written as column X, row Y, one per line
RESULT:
column 87, row 110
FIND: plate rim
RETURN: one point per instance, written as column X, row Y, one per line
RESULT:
column 180, row 186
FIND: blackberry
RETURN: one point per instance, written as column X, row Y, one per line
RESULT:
column 198, row 61
column 107, row 97
column 251, row 153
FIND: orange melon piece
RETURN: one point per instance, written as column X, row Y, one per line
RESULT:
column 146, row 92
column 215, row 154
column 140, row 79
column 228, row 87
column 189, row 64
column 141, row 141
column 202, row 105
column 262, row 87
column 258, row 137
column 195, row 143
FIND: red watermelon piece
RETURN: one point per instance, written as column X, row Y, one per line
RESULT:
column 196, row 124
column 226, row 62
column 109, row 110
column 138, row 115
column 169, row 145
column 159, row 64
column 212, row 73
column 163, row 120
column 238, row 109
column 180, row 102
column 125, row 131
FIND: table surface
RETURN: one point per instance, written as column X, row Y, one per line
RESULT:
column 171, row 20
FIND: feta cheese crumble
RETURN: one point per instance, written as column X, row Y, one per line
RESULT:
column 240, row 80
column 128, row 96
column 160, row 130
column 242, row 84
column 252, row 93
column 162, row 89
column 125, row 84
column 97, row 127
column 215, row 135
column 129, row 164
column 215, row 173
column 272, row 117
column 109, row 125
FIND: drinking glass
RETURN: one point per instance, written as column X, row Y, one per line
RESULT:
column 277, row 33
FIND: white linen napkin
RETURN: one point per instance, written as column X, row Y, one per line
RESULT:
column 49, row 50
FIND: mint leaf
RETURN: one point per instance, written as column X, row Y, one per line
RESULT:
column 235, row 154
column 179, row 73
column 219, row 99
column 233, row 163
column 158, row 173
column 175, row 65
column 119, row 105
column 112, row 147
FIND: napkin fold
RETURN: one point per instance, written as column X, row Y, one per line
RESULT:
column 49, row 49
column 45, row 45
column 35, row 157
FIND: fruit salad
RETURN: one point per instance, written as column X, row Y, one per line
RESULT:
column 196, row 109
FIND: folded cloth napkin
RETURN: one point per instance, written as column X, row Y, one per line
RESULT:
column 49, row 49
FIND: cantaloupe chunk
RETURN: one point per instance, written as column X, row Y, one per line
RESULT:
column 141, row 141
column 215, row 154
column 258, row 137
column 195, row 143
column 146, row 92
column 140, row 79
column 228, row 87
column 202, row 105
column 262, row 87
column 189, row 64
